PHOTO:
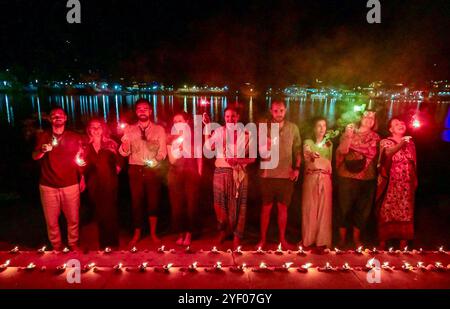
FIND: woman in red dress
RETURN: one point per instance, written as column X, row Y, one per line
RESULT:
column 397, row 183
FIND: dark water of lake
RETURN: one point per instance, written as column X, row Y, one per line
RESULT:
column 15, row 109
column 22, row 115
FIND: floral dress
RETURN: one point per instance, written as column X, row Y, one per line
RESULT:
column 396, row 213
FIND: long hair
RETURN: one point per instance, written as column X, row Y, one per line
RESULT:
column 313, row 123
column 107, row 141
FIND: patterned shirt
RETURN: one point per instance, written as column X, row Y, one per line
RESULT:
column 364, row 143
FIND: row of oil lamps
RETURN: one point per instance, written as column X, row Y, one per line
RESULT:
column 263, row 267
column 360, row 250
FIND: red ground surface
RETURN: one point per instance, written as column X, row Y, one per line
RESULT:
column 130, row 277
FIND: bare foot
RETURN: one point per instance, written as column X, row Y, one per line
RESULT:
column 261, row 245
column 358, row 244
column 75, row 248
column 286, row 246
column 133, row 242
column 236, row 242
column 180, row 239
column 222, row 237
column 187, row 240
column 155, row 239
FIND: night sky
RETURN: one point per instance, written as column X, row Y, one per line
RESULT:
column 270, row 43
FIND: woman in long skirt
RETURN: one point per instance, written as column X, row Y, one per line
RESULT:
column 397, row 183
column 183, row 180
column 317, row 188
column 102, row 166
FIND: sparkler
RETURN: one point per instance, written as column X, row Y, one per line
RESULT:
column 328, row 136
column 79, row 160
column 54, row 142
column 416, row 123
column 150, row 163
column 122, row 125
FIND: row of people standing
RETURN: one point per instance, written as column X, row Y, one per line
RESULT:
column 370, row 172
column 146, row 145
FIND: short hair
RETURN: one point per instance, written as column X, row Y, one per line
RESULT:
column 58, row 108
column 375, row 124
column 399, row 118
column 278, row 102
column 143, row 101
column 183, row 114
column 231, row 108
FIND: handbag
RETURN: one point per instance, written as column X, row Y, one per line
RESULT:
column 354, row 161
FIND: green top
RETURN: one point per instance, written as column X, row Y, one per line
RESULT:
column 324, row 151
column 323, row 163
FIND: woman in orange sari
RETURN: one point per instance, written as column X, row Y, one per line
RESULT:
column 397, row 183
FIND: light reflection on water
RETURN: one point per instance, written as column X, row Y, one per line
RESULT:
column 15, row 108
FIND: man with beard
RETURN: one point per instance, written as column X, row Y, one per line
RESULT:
column 60, row 181
column 145, row 145
column 278, row 184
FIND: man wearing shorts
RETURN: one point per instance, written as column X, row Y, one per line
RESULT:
column 277, row 184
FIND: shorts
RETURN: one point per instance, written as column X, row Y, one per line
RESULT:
column 276, row 189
